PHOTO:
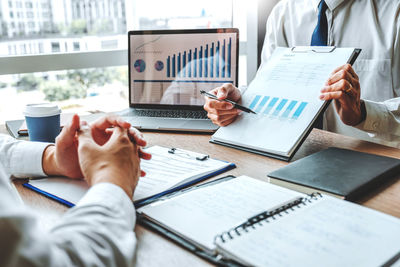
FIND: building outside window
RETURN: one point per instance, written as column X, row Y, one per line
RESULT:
column 87, row 27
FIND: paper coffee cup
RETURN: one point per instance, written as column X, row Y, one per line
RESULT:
column 43, row 121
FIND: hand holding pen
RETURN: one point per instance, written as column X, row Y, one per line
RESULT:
column 219, row 111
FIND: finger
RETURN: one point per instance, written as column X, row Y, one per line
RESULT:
column 110, row 121
column 119, row 136
column 350, row 69
column 215, row 104
column 233, row 112
column 85, row 137
column 137, row 137
column 68, row 133
column 342, row 85
column 225, row 90
column 227, row 122
column 332, row 95
column 220, row 119
column 144, row 155
column 340, row 75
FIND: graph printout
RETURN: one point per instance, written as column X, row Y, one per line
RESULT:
column 173, row 68
column 285, row 96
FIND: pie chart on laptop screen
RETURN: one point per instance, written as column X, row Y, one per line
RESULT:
column 140, row 65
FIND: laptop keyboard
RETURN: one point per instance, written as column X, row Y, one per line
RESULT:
column 186, row 114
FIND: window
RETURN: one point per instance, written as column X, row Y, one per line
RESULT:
column 11, row 14
column 97, row 29
column 55, row 47
column 76, row 46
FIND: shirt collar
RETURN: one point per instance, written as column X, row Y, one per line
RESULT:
column 332, row 4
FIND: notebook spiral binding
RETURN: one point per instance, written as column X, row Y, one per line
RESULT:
column 266, row 216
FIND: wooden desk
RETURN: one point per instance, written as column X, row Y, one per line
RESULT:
column 154, row 250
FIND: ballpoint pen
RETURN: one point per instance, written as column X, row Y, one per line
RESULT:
column 236, row 105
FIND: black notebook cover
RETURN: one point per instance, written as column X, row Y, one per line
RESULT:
column 341, row 172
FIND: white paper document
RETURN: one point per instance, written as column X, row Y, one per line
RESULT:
column 285, row 96
column 203, row 213
column 163, row 172
column 327, row 232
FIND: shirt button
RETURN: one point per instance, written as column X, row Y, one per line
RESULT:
column 375, row 125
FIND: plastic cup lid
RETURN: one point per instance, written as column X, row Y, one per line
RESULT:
column 41, row 110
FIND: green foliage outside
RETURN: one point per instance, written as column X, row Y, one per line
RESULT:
column 71, row 84
column 27, row 82
column 3, row 85
column 57, row 91
column 78, row 26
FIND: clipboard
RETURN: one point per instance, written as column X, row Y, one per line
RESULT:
column 177, row 239
column 298, row 49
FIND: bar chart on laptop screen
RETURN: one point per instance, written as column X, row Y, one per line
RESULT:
column 173, row 68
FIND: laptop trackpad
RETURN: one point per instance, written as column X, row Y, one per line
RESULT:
column 171, row 124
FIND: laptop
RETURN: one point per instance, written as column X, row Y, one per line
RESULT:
column 169, row 68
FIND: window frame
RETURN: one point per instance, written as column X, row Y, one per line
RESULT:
column 117, row 57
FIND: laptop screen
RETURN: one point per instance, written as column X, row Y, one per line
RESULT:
column 170, row 67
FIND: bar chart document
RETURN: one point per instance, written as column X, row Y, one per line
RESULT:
column 285, row 96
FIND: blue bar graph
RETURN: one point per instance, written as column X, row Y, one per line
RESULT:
column 223, row 60
column 280, row 107
column 179, row 65
column 217, row 64
column 190, row 63
column 271, row 105
column 168, row 66
column 254, row 102
column 173, row 66
column 184, row 64
column 229, row 57
column 195, row 62
column 201, row 61
column 213, row 59
column 206, row 62
column 299, row 110
column 262, row 104
column 289, row 109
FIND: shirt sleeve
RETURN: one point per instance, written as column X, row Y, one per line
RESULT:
column 98, row 231
column 383, row 119
column 22, row 158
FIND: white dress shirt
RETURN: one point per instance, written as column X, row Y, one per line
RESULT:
column 373, row 26
column 98, row 231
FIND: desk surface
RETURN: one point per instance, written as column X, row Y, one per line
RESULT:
column 153, row 250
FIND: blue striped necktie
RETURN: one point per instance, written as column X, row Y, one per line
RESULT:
column 320, row 38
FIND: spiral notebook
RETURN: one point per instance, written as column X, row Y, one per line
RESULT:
column 244, row 221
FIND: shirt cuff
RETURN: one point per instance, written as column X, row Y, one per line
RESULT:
column 112, row 197
column 26, row 159
column 376, row 119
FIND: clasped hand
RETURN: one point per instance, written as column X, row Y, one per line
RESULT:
column 76, row 151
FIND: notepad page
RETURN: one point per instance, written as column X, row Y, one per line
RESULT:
column 285, row 96
column 328, row 232
column 201, row 214
column 164, row 171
